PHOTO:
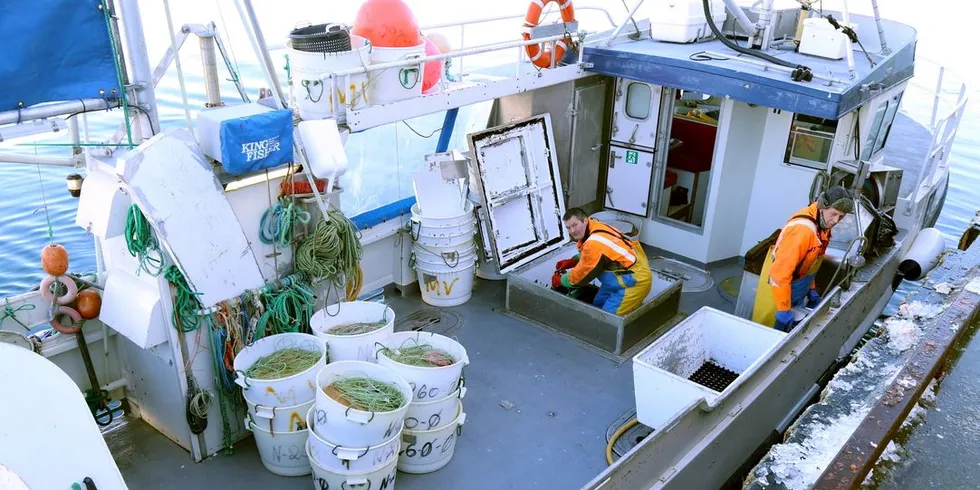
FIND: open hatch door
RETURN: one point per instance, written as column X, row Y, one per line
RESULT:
column 518, row 181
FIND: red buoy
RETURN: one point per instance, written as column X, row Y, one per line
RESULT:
column 432, row 71
column 387, row 24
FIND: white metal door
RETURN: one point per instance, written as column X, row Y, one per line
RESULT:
column 636, row 111
column 628, row 180
column 519, row 182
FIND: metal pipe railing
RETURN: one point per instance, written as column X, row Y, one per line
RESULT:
column 56, row 109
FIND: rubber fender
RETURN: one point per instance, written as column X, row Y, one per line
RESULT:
column 924, row 255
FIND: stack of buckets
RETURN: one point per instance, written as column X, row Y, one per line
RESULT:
column 277, row 408
column 351, row 448
column 445, row 255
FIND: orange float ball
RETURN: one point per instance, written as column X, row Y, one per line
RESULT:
column 432, row 71
column 54, row 259
column 387, row 24
column 88, row 303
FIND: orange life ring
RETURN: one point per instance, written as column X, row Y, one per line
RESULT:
column 76, row 320
column 542, row 57
column 69, row 283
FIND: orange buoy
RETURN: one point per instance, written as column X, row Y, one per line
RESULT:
column 88, row 303
column 387, row 24
column 54, row 259
column 432, row 71
column 541, row 57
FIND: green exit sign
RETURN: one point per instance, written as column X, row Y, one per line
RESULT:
column 632, row 157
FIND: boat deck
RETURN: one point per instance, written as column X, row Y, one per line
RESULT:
column 564, row 397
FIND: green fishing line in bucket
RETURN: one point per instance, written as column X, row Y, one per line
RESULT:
column 369, row 395
column 422, row 355
column 282, row 363
column 358, row 328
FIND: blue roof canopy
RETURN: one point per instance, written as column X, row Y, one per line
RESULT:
column 54, row 50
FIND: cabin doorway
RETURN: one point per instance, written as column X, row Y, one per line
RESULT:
column 688, row 155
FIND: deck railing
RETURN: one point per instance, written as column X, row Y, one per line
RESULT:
column 947, row 95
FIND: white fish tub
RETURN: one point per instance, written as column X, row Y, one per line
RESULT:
column 529, row 295
column 703, row 359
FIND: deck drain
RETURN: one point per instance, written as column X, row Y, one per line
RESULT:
column 633, row 436
column 713, row 376
column 442, row 322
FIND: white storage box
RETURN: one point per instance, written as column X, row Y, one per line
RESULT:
column 682, row 21
column 702, row 347
column 209, row 125
column 821, row 39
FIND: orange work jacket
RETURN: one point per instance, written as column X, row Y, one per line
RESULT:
column 800, row 244
column 603, row 248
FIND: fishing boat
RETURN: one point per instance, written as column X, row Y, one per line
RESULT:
column 694, row 127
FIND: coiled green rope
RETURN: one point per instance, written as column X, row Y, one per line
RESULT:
column 276, row 225
column 186, row 303
column 286, row 310
column 141, row 243
column 369, row 395
column 332, row 251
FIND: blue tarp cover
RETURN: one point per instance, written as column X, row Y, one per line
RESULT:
column 53, row 50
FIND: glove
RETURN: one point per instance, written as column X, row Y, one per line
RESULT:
column 556, row 280
column 564, row 265
column 784, row 321
column 812, row 298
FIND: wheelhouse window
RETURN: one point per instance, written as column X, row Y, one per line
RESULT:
column 810, row 141
column 881, row 126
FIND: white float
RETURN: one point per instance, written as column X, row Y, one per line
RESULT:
column 350, row 459
column 282, row 453
column 283, row 392
column 382, row 477
column 427, row 383
column 425, row 451
column 350, row 427
column 360, row 347
column 433, row 414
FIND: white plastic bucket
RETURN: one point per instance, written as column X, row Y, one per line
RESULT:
column 351, row 459
column 313, row 95
column 449, row 226
column 393, row 84
column 433, row 414
column 350, row 427
column 284, row 392
column 279, row 419
column 427, row 383
column 352, row 347
column 282, row 453
column 425, row 451
column 376, row 479
column 449, row 256
column 445, row 286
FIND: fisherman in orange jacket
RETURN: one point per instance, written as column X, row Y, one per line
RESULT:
column 791, row 267
column 619, row 263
